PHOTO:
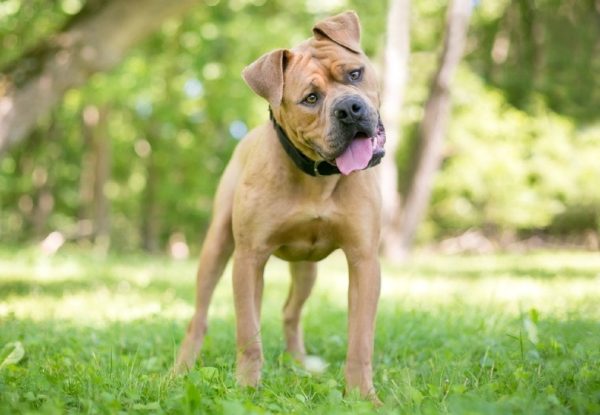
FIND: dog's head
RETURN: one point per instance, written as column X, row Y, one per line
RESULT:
column 325, row 95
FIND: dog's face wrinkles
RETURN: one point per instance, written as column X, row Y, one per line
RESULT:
column 330, row 96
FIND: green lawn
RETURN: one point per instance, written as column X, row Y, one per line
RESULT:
column 492, row 334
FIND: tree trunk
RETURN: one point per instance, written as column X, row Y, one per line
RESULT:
column 85, row 225
column 95, row 40
column 397, row 51
column 150, row 209
column 43, row 176
column 433, row 126
column 533, row 36
column 95, row 169
column 102, row 166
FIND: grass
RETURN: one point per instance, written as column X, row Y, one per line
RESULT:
column 492, row 334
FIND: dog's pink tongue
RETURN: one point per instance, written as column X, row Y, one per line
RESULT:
column 356, row 157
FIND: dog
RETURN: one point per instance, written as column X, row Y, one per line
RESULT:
column 299, row 187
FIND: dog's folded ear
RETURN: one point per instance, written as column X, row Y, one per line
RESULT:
column 343, row 29
column 265, row 75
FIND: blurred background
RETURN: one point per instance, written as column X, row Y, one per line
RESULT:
column 124, row 153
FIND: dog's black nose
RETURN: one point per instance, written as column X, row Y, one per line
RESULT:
column 350, row 110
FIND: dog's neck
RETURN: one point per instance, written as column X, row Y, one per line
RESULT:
column 302, row 161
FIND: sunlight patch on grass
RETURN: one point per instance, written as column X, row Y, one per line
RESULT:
column 508, row 294
column 85, row 295
column 98, row 308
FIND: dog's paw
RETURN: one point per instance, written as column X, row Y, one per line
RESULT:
column 248, row 373
column 248, row 380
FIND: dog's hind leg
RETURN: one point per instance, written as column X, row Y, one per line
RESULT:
column 304, row 275
column 216, row 251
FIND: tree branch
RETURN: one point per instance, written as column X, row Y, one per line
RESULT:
column 434, row 125
column 95, row 40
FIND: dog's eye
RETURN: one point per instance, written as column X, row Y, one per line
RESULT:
column 355, row 75
column 311, row 99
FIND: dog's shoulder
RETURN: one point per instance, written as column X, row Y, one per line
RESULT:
column 250, row 146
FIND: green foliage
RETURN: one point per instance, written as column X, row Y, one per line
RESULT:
column 512, row 169
column 522, row 148
column 454, row 335
column 517, row 157
column 547, row 48
column 25, row 23
column 176, row 107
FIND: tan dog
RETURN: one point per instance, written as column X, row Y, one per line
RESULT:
column 282, row 194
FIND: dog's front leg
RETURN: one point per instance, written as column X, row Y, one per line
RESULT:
column 247, row 291
column 363, row 295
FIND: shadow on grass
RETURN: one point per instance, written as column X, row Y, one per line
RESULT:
column 476, row 272
column 58, row 288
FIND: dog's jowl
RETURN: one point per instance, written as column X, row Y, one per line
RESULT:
column 299, row 187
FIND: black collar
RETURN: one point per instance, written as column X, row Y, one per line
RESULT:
column 308, row 166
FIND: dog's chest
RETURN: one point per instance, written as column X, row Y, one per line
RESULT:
column 305, row 236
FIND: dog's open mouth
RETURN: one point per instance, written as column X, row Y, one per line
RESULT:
column 362, row 152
